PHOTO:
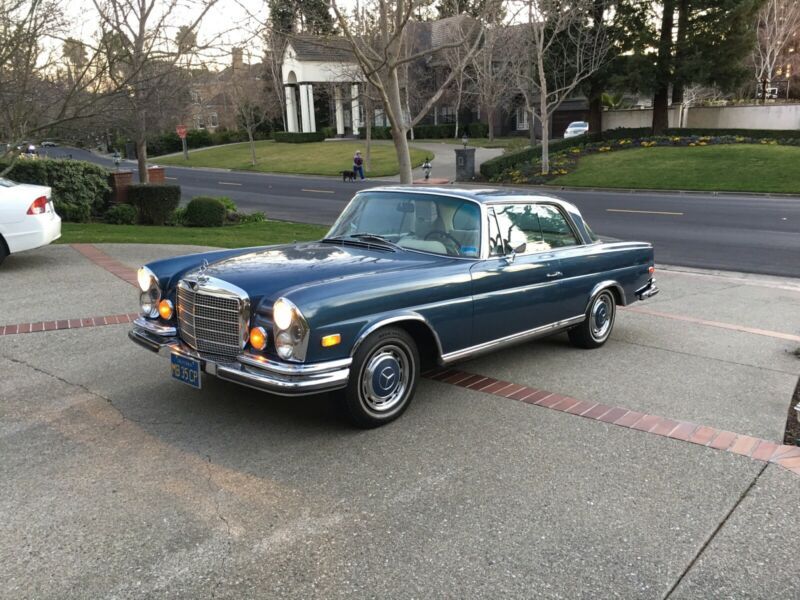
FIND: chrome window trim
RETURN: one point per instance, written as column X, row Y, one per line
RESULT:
column 564, row 213
column 511, row 339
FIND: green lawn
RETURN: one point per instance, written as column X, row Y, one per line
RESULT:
column 230, row 236
column 317, row 158
column 740, row 168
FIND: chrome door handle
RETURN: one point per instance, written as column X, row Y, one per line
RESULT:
column 555, row 274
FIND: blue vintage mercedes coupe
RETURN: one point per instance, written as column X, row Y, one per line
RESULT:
column 407, row 278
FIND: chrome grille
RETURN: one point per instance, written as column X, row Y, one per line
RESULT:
column 212, row 323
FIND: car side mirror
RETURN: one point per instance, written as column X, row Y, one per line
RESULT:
column 513, row 254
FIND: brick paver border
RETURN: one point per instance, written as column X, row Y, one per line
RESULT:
column 67, row 324
column 113, row 266
column 758, row 449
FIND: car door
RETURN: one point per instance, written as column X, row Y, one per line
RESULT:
column 515, row 292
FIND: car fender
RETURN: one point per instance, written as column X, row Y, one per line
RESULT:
column 396, row 318
column 605, row 285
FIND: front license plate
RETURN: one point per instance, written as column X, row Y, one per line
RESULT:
column 186, row 370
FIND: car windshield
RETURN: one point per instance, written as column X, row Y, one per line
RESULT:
column 422, row 222
column 578, row 124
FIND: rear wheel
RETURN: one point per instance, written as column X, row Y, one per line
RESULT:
column 383, row 378
column 596, row 329
column 3, row 250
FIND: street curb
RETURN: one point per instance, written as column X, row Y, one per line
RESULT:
column 565, row 188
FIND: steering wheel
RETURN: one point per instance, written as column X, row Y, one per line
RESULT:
column 451, row 244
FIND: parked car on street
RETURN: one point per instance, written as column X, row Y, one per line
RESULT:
column 576, row 128
column 49, row 144
column 27, row 217
column 406, row 279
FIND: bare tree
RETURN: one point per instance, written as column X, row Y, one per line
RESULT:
column 492, row 74
column 555, row 52
column 143, row 46
column 777, row 23
column 47, row 80
column 252, row 105
column 382, row 57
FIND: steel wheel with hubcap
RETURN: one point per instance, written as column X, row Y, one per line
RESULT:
column 600, row 317
column 383, row 378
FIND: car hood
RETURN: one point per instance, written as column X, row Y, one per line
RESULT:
column 270, row 272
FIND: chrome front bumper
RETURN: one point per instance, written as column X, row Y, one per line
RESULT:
column 648, row 291
column 251, row 370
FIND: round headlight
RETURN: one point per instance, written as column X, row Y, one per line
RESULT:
column 149, row 302
column 146, row 279
column 283, row 314
column 284, row 345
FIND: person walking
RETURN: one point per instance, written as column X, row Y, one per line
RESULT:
column 358, row 165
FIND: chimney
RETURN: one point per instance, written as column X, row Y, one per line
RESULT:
column 237, row 58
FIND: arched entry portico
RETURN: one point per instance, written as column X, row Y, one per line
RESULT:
column 309, row 61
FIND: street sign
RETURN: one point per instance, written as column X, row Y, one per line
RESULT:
column 181, row 131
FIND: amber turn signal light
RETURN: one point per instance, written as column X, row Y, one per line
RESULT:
column 331, row 340
column 165, row 309
column 258, row 338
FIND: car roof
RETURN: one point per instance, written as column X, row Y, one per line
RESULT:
column 483, row 195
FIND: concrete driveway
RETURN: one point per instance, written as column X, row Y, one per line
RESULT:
column 650, row 468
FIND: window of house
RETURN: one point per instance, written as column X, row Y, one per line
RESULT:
column 447, row 114
column 199, row 122
column 195, row 95
column 541, row 227
column 522, row 119
column 214, row 119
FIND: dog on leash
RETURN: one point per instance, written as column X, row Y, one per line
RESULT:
column 349, row 176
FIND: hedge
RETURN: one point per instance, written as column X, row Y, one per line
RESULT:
column 205, row 211
column 427, row 131
column 495, row 166
column 298, row 138
column 73, row 182
column 154, row 203
column 121, row 214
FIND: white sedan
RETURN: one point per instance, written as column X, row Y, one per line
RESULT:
column 27, row 217
column 576, row 128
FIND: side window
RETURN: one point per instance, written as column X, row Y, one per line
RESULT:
column 556, row 232
column 540, row 227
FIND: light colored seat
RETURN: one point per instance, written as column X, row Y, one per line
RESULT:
column 423, row 245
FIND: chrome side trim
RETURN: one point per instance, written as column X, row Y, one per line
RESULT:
column 397, row 319
column 155, row 328
column 512, row 339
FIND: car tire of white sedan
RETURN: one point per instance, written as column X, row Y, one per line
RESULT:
column 600, row 317
column 383, row 378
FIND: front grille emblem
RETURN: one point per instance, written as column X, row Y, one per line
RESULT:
column 201, row 274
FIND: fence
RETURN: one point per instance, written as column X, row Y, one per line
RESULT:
column 769, row 116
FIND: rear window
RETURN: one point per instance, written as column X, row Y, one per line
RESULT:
column 6, row 183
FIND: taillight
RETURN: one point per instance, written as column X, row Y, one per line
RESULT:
column 39, row 206
column 651, row 270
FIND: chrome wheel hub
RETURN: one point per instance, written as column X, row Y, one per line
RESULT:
column 602, row 316
column 385, row 378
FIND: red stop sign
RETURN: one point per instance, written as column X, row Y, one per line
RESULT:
column 181, row 131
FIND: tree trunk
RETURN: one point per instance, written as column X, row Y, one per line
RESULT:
column 403, row 155
column 368, row 135
column 252, row 146
column 683, row 24
column 531, row 127
column 545, row 119
column 663, row 65
column 141, row 158
column 595, row 107
column 490, row 122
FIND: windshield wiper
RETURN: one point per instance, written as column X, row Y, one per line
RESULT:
column 362, row 237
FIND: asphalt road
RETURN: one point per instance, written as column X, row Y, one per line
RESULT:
column 727, row 232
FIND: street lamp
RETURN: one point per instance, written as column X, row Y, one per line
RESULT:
column 464, row 140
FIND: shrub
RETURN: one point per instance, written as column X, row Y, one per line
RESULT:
column 329, row 132
column 256, row 217
column 228, row 136
column 477, row 130
column 74, row 213
column 154, row 202
column 205, row 211
column 298, row 138
column 72, row 182
column 229, row 204
column 121, row 214
column 178, row 217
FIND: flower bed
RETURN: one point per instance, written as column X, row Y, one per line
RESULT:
column 565, row 161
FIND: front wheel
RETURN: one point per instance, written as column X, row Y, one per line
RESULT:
column 383, row 378
column 594, row 331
